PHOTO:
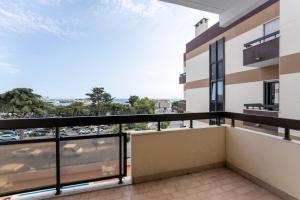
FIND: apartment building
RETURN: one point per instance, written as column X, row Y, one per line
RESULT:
column 250, row 57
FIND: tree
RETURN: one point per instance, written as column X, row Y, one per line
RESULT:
column 178, row 106
column 76, row 109
column 144, row 106
column 22, row 102
column 100, row 99
column 132, row 99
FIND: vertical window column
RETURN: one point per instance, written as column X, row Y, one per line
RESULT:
column 217, row 76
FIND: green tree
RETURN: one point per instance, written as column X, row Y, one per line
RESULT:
column 22, row 102
column 132, row 99
column 100, row 99
column 144, row 106
column 178, row 106
column 76, row 109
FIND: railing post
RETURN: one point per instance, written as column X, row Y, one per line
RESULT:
column 218, row 121
column 158, row 126
column 287, row 135
column 232, row 122
column 191, row 123
column 125, row 153
column 57, row 143
column 120, row 155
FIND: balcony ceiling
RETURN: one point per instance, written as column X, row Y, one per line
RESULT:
column 229, row 10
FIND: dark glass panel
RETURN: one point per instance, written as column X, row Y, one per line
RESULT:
column 221, row 70
column 220, row 49
column 213, row 72
column 213, row 53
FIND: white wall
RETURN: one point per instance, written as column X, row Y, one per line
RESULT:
column 290, row 96
column 234, row 50
column 197, row 100
column 237, row 95
column 197, row 68
column 289, row 27
column 289, row 44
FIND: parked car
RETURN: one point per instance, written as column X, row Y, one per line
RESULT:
column 83, row 132
column 72, row 150
column 9, row 137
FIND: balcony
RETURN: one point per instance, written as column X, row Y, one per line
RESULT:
column 262, row 52
column 211, row 162
column 182, row 78
column 262, row 110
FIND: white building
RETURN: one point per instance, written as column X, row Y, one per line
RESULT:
column 250, row 57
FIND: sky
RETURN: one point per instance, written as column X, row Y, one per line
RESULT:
column 64, row 48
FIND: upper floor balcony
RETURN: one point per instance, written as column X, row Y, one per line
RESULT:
column 263, row 51
column 182, row 78
column 196, row 162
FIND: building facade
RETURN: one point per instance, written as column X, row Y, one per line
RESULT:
column 246, row 63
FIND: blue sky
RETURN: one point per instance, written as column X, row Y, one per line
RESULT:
column 63, row 48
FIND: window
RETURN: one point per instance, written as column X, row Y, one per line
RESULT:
column 271, row 26
column 217, row 76
column 271, row 93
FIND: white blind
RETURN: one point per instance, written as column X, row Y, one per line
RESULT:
column 271, row 26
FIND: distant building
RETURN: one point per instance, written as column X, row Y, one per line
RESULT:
column 163, row 105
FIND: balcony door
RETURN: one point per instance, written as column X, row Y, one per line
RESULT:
column 271, row 93
column 217, row 76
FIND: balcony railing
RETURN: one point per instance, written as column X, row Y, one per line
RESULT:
column 262, row 39
column 260, row 106
column 262, row 52
column 182, row 78
column 62, row 172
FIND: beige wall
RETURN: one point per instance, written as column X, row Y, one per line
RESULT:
column 268, row 158
column 169, row 152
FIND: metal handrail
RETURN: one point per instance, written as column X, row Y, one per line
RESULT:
column 261, row 106
column 287, row 124
column 274, row 34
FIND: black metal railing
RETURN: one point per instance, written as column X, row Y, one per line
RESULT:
column 261, row 106
column 262, row 39
column 120, row 137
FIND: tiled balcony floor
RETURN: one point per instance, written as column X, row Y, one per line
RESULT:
column 217, row 184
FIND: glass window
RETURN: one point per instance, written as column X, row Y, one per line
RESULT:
column 220, row 92
column 221, row 49
column 213, row 91
column 271, row 93
column 220, row 89
column 276, row 99
column 213, row 52
column 213, row 72
column 221, row 70
column 271, row 26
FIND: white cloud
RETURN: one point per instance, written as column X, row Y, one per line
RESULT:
column 54, row 2
column 8, row 68
column 146, row 8
column 15, row 17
